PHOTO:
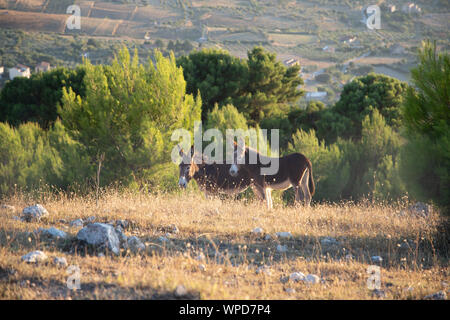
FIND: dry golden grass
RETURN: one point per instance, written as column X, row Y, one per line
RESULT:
column 222, row 231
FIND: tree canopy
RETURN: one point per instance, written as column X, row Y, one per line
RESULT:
column 426, row 112
column 258, row 87
column 36, row 99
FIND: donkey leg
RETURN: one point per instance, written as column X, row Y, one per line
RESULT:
column 258, row 192
column 299, row 197
column 305, row 188
column 268, row 193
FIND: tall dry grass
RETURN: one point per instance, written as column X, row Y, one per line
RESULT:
column 415, row 261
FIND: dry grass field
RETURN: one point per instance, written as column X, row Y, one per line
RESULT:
column 414, row 252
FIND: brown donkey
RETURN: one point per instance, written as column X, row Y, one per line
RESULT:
column 211, row 178
column 294, row 170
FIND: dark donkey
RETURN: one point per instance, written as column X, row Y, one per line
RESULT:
column 211, row 178
column 294, row 170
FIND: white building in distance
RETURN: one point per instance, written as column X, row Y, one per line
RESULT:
column 43, row 67
column 19, row 71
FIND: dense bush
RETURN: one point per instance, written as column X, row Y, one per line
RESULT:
column 36, row 99
column 358, row 99
column 426, row 155
column 31, row 157
column 350, row 169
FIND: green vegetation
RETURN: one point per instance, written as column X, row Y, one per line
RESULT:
column 426, row 155
column 258, row 87
column 117, row 120
column 37, row 98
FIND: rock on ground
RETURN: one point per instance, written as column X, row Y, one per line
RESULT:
column 378, row 293
column 376, row 259
column 123, row 239
column 297, row 276
column 420, row 209
column 34, row 213
column 180, row 291
column 60, row 261
column 34, row 256
column 312, row 278
column 281, row 248
column 441, row 295
column 284, row 235
column 163, row 239
column 329, row 241
column 258, row 230
column 76, row 223
column 100, row 235
column 52, row 233
column 264, row 269
column 135, row 244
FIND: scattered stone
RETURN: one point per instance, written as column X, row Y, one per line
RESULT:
column 349, row 257
column 420, row 209
column 378, row 293
column 76, row 223
column 101, row 255
column 8, row 208
column 281, row 248
column 312, row 278
column 441, row 295
column 135, row 244
column 376, row 259
column 258, row 230
column 173, row 229
column 100, row 235
column 34, row 213
column 202, row 267
column 60, row 261
column 268, row 237
column 200, row 257
column 91, row 219
column 328, row 241
column 123, row 239
column 35, row 256
column 62, row 221
column 24, row 283
column 284, row 235
column 297, row 276
column 290, row 290
column 122, row 223
column 284, row 279
column 180, row 291
column 264, row 269
column 163, row 239
column 52, row 233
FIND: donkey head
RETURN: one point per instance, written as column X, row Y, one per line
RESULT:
column 238, row 157
column 187, row 167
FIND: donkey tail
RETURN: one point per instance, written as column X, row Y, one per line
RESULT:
column 312, row 186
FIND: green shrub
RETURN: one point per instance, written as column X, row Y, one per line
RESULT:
column 426, row 155
column 128, row 115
